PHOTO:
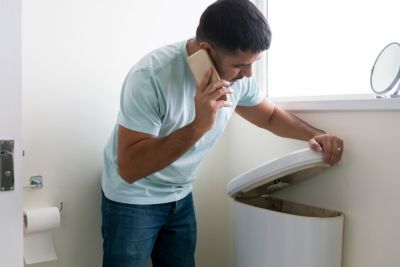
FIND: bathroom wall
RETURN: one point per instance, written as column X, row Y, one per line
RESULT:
column 364, row 185
column 75, row 57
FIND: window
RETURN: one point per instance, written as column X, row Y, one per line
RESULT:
column 325, row 47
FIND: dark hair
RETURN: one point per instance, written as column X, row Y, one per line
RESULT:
column 233, row 25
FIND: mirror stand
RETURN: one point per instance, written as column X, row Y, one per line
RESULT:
column 395, row 93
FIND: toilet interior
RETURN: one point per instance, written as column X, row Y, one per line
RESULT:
column 280, row 205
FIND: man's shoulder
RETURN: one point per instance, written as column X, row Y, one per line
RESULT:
column 161, row 58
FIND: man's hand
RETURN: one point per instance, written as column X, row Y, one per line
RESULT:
column 208, row 101
column 330, row 145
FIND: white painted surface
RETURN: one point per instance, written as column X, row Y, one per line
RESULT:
column 287, row 169
column 10, row 129
column 338, row 103
column 274, row 232
column 265, row 237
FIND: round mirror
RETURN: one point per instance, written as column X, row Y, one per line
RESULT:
column 385, row 74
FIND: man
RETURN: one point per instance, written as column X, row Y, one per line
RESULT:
column 167, row 125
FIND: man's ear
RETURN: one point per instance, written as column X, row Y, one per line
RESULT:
column 206, row 46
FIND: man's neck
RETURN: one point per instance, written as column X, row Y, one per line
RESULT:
column 192, row 47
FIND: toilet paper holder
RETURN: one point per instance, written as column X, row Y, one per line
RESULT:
column 36, row 182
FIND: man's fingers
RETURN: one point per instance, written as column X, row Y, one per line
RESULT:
column 334, row 151
column 223, row 91
column 332, row 147
column 337, row 151
column 225, row 103
column 314, row 145
column 213, row 87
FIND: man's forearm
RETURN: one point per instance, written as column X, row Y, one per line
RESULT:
column 150, row 155
column 285, row 124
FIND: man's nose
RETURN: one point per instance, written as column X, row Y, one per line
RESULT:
column 247, row 71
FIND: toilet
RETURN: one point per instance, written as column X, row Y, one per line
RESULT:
column 275, row 232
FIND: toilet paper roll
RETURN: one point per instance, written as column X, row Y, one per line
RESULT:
column 38, row 234
column 36, row 220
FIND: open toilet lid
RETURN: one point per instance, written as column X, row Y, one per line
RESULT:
column 278, row 173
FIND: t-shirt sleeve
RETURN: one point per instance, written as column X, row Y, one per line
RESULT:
column 251, row 95
column 139, row 104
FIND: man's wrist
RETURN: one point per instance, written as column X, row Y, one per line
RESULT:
column 316, row 133
column 195, row 130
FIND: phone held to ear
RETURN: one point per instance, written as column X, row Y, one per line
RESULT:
column 199, row 64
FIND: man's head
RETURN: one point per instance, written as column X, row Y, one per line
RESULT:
column 234, row 32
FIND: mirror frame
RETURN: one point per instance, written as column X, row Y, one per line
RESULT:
column 385, row 92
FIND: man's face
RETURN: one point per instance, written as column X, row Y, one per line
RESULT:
column 233, row 66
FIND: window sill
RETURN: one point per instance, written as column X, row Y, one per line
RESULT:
column 337, row 103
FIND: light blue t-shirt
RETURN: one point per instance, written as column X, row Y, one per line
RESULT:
column 158, row 98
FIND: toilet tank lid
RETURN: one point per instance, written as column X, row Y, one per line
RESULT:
column 277, row 173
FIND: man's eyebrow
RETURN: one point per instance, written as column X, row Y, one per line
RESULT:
column 244, row 65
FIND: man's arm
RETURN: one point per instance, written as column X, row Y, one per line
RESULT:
column 141, row 154
column 282, row 123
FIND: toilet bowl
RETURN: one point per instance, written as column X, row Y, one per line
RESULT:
column 275, row 232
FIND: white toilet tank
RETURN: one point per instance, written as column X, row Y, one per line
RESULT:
column 278, row 233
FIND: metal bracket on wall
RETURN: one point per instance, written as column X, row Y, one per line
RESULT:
column 36, row 182
column 6, row 165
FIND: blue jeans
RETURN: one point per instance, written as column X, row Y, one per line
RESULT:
column 134, row 233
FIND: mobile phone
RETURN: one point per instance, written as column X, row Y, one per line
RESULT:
column 199, row 63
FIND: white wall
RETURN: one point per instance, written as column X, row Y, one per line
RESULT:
column 364, row 185
column 75, row 56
